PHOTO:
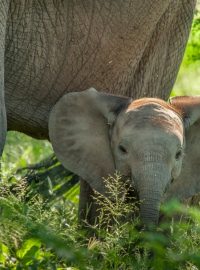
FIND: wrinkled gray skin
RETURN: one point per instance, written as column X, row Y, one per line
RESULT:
column 93, row 134
column 3, row 126
column 50, row 48
column 131, row 48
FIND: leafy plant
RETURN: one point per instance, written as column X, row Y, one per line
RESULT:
column 188, row 79
column 36, row 233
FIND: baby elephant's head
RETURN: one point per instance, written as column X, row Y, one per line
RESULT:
column 94, row 134
column 147, row 144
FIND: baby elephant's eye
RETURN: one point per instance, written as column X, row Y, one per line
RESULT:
column 122, row 149
column 178, row 154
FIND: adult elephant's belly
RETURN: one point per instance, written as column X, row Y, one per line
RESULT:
column 35, row 80
column 55, row 47
column 46, row 57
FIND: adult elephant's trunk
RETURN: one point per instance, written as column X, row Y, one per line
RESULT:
column 151, row 183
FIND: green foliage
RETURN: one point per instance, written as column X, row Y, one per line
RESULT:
column 21, row 150
column 192, row 55
column 35, row 234
column 42, row 234
column 188, row 79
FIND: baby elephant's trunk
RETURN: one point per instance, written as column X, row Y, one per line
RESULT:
column 151, row 184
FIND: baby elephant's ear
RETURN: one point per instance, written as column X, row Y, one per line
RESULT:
column 79, row 133
column 188, row 183
column 189, row 107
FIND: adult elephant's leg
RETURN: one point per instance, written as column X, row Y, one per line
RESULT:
column 159, row 64
column 4, row 5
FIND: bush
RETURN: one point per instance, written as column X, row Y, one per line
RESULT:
column 38, row 234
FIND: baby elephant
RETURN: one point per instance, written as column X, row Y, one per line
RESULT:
column 150, row 141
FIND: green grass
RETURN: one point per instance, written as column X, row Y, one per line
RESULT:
column 41, row 232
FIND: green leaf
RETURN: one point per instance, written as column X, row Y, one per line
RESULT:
column 4, row 253
column 32, row 245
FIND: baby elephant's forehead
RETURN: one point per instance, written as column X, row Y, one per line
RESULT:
column 155, row 115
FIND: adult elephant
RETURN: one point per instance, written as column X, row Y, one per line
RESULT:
column 49, row 48
column 131, row 48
